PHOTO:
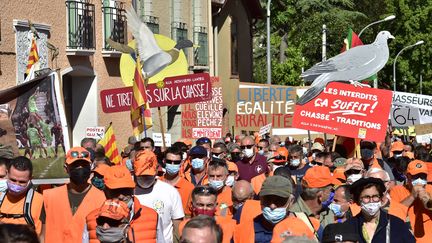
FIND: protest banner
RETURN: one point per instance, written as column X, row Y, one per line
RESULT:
column 345, row 110
column 204, row 119
column 258, row 105
column 95, row 132
column 423, row 129
column 33, row 124
column 265, row 129
column 158, row 141
column 424, row 138
column 172, row 91
column 413, row 109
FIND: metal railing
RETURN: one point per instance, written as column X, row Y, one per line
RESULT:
column 81, row 24
column 201, row 51
column 115, row 25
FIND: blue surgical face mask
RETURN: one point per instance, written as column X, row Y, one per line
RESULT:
column 337, row 210
column 295, row 162
column 129, row 164
column 329, row 200
column 172, row 169
column 419, row 181
column 3, row 185
column 274, row 216
column 216, row 184
column 197, row 163
column 261, row 152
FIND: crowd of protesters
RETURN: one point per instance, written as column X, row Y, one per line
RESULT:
column 235, row 189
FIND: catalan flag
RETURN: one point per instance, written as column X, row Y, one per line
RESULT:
column 140, row 110
column 110, row 145
column 33, row 56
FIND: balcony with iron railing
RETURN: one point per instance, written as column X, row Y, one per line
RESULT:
column 115, row 26
column 152, row 22
column 81, row 27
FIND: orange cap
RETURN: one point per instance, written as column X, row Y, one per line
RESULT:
column 354, row 163
column 339, row 174
column 186, row 141
column 416, row 167
column 77, row 153
column 101, row 169
column 232, row 166
column 145, row 163
column 397, row 146
column 282, row 151
column 118, row 176
column 114, row 209
column 318, row 176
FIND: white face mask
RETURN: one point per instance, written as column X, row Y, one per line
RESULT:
column 230, row 180
column 371, row 208
column 249, row 153
column 419, row 181
column 353, row 178
column 295, row 162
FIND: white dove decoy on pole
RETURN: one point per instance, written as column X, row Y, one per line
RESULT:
column 353, row 65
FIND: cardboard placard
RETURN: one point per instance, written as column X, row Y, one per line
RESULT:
column 174, row 91
column 423, row 129
column 404, row 116
column 157, row 138
column 265, row 129
column 204, row 119
column 259, row 105
column 95, row 132
column 420, row 107
column 346, row 110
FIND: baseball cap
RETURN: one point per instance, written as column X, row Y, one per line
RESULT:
column 114, row 209
column 198, row 151
column 317, row 146
column 118, row 176
column 276, row 185
column 318, row 176
column 416, row 167
column 281, row 155
column 101, row 169
column 397, row 146
column 408, row 154
column 77, row 153
column 354, row 163
column 186, row 141
column 340, row 232
column 319, row 140
column 339, row 162
column 203, row 140
column 145, row 163
column 339, row 175
column 232, row 166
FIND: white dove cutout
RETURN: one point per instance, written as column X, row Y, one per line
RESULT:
column 354, row 65
column 154, row 59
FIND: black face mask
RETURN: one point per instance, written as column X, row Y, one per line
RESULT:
column 235, row 157
column 80, row 175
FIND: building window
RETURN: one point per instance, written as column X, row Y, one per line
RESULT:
column 201, row 52
column 234, row 46
column 81, row 24
column 115, row 25
column 145, row 10
column 179, row 32
column 152, row 22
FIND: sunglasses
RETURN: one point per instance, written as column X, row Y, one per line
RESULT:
column 247, row 146
column 204, row 190
column 316, row 163
column 352, row 172
column 217, row 154
column 111, row 222
column 175, row 162
column 260, row 148
column 280, row 157
column 77, row 154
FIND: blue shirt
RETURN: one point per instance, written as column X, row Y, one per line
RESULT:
column 262, row 235
column 237, row 214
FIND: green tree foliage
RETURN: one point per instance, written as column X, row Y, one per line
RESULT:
column 296, row 37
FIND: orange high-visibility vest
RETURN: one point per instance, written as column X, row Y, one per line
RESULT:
column 60, row 224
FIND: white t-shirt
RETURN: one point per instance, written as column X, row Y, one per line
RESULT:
column 166, row 201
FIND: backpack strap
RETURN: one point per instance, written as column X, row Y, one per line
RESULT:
column 27, row 207
column 307, row 221
column 2, row 197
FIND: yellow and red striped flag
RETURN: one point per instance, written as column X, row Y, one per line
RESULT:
column 110, row 145
column 33, row 55
column 140, row 108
